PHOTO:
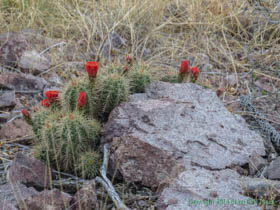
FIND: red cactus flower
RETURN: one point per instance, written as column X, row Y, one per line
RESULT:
column 25, row 113
column 52, row 95
column 195, row 71
column 184, row 67
column 125, row 69
column 82, row 99
column 45, row 102
column 129, row 59
column 92, row 68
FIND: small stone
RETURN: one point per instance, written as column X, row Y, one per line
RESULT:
column 7, row 98
column 10, row 194
column 207, row 68
column 15, row 129
column 12, row 49
column 230, row 80
column 34, row 61
column 86, row 198
column 47, row 200
column 273, row 171
column 256, row 163
column 213, row 194
column 29, row 171
column 20, row 81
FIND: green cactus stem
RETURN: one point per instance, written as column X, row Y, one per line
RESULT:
column 38, row 121
column 110, row 90
column 66, row 138
column 71, row 95
column 171, row 78
column 140, row 77
column 89, row 164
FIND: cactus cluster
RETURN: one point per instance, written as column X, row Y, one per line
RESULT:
column 186, row 74
column 67, row 128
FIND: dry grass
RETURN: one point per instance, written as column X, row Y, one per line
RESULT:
column 229, row 32
column 238, row 36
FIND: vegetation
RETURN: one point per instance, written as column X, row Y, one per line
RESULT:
column 220, row 37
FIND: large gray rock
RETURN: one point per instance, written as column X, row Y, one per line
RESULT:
column 190, row 126
column 199, row 188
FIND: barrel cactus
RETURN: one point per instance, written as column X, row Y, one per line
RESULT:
column 110, row 90
column 71, row 94
column 140, row 77
column 66, row 138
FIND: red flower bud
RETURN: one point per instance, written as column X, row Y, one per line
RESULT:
column 25, row 113
column 184, row 67
column 195, row 71
column 45, row 102
column 220, row 91
column 52, row 95
column 92, row 68
column 129, row 59
column 82, row 99
column 125, row 69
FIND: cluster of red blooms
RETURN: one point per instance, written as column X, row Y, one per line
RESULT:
column 185, row 68
column 52, row 97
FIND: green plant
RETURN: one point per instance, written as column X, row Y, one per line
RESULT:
column 172, row 78
column 65, row 138
column 71, row 94
column 140, row 76
column 110, row 90
column 88, row 164
column 38, row 121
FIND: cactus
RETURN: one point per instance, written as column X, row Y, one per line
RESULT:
column 38, row 121
column 71, row 95
column 66, row 137
column 109, row 91
column 171, row 78
column 140, row 77
column 89, row 164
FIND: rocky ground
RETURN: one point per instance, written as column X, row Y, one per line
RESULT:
column 178, row 146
